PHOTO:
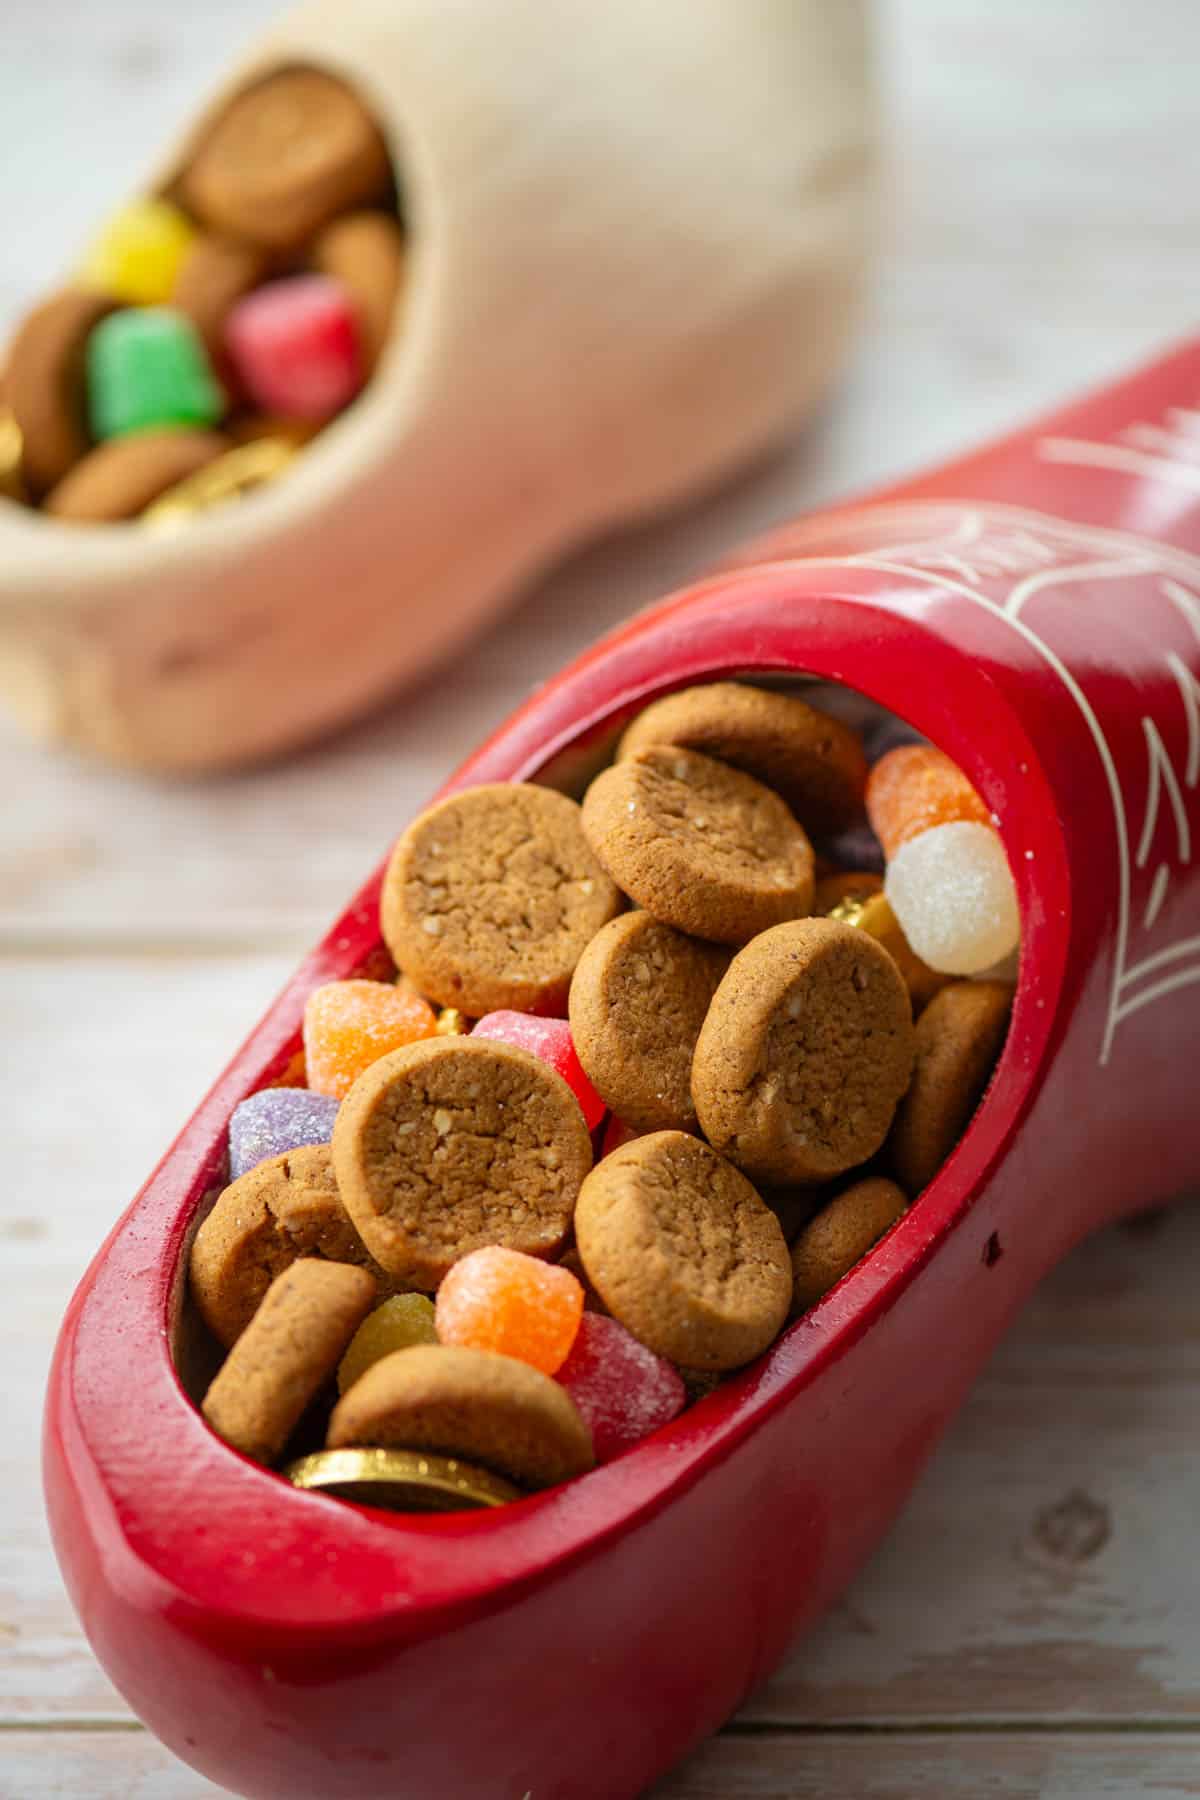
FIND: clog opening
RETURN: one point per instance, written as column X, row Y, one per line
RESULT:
column 225, row 329
column 853, row 848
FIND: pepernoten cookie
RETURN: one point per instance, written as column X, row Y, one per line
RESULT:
column 491, row 897
column 958, row 1038
column 365, row 252
column 814, row 762
column 44, row 383
column 475, row 1404
column 683, row 1251
column 282, row 1209
column 805, row 1052
column 288, row 1351
column 120, row 478
column 638, row 999
column 285, row 156
column 840, row 1235
column 699, row 845
column 456, row 1142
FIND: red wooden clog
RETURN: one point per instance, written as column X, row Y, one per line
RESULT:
column 1036, row 611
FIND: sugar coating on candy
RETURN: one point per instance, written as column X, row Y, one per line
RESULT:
column 138, row 253
column 953, row 893
column 502, row 1300
column 915, row 787
column 623, row 1391
column 274, row 1121
column 401, row 1322
column 551, row 1040
column 146, row 367
column 348, row 1025
column 295, row 346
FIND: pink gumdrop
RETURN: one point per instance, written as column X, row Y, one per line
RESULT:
column 295, row 346
column 622, row 1390
column 549, row 1039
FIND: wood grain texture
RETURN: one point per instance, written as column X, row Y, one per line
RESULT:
column 1032, row 1626
column 129, row 1765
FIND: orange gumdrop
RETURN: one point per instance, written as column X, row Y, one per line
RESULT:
column 348, row 1025
column 499, row 1299
column 914, row 788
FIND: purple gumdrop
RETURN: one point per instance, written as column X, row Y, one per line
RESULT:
column 275, row 1120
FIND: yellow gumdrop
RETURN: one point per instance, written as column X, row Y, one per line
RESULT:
column 401, row 1322
column 137, row 256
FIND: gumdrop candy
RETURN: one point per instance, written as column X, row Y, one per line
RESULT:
column 622, row 1390
column 147, row 367
column 914, row 788
column 295, row 346
column 348, row 1025
column 953, row 893
column 138, row 254
column 500, row 1299
column 549, row 1039
column 401, row 1322
column 275, row 1120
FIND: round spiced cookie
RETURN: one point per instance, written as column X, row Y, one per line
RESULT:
column 282, row 1209
column 857, row 898
column 638, row 999
column 365, row 252
column 477, row 1404
column 805, row 1052
column 840, row 1235
column 698, row 844
column 683, row 1251
column 123, row 476
column 814, row 762
column 456, row 1142
column 290, row 1348
column 844, row 892
column 285, row 156
column 491, row 897
column 44, row 383
column 958, row 1039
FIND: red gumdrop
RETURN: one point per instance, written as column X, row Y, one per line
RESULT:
column 622, row 1390
column 551, row 1041
column 295, row 346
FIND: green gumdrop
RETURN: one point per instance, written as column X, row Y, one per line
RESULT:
column 147, row 367
column 401, row 1322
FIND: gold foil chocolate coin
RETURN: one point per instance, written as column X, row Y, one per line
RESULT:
column 401, row 1480
column 238, row 472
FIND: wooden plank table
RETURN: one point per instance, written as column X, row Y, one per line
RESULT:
column 1032, row 1627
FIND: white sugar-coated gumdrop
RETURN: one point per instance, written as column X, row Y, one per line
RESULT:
column 952, row 891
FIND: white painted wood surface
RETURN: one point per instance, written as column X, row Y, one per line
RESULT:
column 1032, row 1627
